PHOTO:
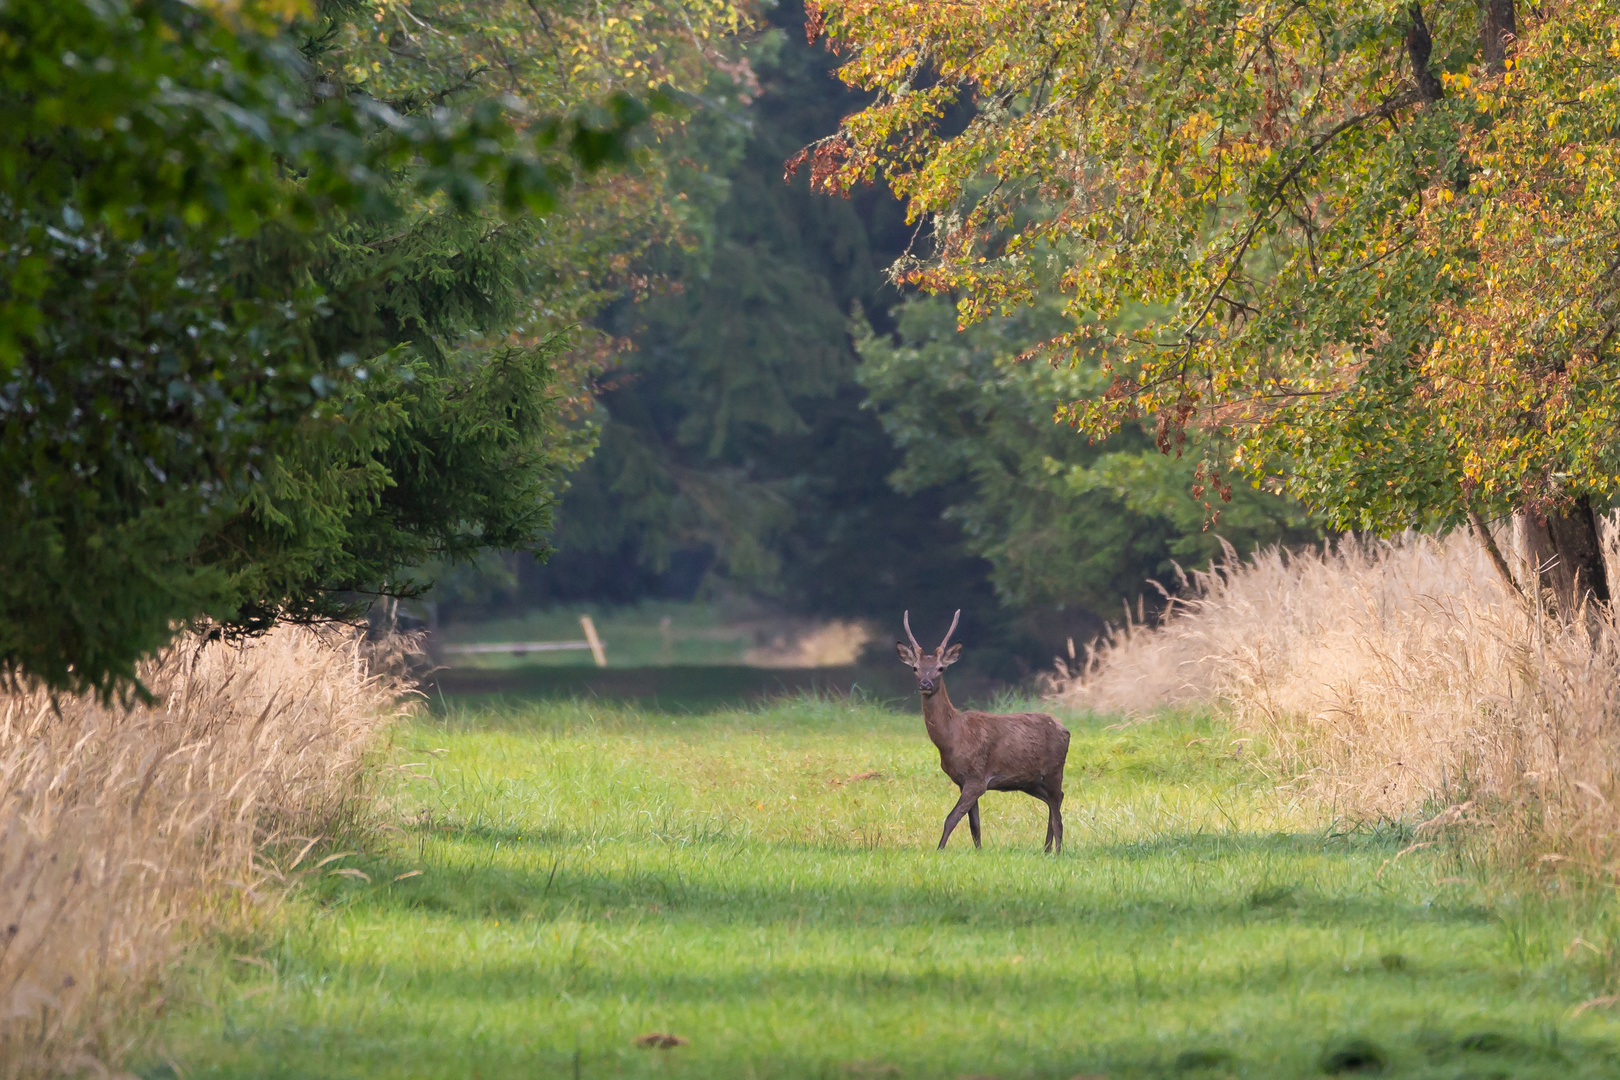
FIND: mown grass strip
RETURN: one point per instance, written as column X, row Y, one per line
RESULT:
column 761, row 884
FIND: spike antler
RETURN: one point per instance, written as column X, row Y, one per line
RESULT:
column 906, row 618
column 956, row 619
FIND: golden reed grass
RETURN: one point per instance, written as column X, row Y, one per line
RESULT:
column 1399, row 680
column 123, row 831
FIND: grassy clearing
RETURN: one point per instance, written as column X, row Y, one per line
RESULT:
column 588, row 875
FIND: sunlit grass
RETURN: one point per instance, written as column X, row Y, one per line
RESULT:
column 763, row 884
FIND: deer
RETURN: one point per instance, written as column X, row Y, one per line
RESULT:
column 983, row 751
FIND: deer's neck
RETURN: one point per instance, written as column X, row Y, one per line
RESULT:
column 939, row 717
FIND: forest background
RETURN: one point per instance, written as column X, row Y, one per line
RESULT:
column 505, row 307
column 400, row 283
column 778, row 421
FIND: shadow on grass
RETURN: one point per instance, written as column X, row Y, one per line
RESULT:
column 691, row 689
column 817, row 710
column 545, row 951
column 839, row 886
column 1431, row 1053
column 802, row 710
column 623, row 967
column 736, row 934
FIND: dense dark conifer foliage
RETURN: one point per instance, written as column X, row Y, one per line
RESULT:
column 256, row 326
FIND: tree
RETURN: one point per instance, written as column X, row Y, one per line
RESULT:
column 1321, row 208
column 264, row 343
column 1063, row 521
column 735, row 450
column 751, row 331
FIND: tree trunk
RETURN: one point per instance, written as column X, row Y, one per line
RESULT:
column 1564, row 554
column 1496, row 30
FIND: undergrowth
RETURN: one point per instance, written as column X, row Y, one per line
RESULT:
column 126, row 832
column 1398, row 680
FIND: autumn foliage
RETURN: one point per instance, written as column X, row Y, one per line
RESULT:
column 1368, row 244
column 1523, row 375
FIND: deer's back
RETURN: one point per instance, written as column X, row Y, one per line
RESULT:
column 1017, row 748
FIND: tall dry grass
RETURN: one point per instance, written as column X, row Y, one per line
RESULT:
column 1398, row 680
column 123, row 831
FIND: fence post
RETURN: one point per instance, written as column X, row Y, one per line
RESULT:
column 595, row 642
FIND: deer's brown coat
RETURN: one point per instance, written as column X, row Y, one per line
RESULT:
column 983, row 751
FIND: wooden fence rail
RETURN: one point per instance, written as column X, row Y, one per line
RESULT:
column 518, row 648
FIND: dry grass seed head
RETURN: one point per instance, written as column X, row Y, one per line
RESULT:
column 1396, row 679
column 119, row 824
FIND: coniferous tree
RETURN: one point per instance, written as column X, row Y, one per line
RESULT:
column 266, row 339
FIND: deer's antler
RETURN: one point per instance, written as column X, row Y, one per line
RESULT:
column 956, row 619
column 906, row 618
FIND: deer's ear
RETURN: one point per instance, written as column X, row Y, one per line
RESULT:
column 952, row 654
column 908, row 655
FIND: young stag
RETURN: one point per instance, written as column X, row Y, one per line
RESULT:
column 987, row 751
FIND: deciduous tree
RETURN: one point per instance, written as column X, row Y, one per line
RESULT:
column 1374, row 239
column 1064, row 521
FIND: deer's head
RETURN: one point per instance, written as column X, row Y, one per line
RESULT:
column 930, row 667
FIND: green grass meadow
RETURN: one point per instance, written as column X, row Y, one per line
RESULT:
column 763, row 884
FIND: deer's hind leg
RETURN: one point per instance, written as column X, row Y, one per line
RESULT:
column 1054, row 804
column 973, row 823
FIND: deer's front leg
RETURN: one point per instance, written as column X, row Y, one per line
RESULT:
column 970, row 797
column 973, row 823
